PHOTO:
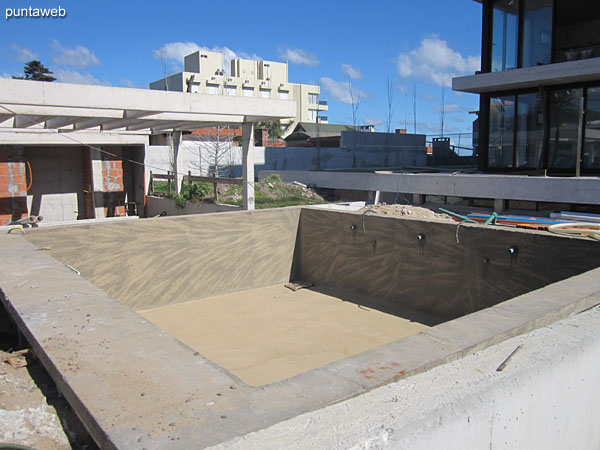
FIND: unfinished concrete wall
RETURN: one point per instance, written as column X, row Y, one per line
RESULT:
column 57, row 190
column 162, row 261
column 433, row 267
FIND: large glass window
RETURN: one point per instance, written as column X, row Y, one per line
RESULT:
column 505, row 29
column 537, row 32
column 501, row 137
column 591, row 148
column 313, row 99
column 576, row 34
column 564, row 128
column 530, row 131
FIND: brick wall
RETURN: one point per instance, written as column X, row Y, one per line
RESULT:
column 112, row 180
column 13, row 185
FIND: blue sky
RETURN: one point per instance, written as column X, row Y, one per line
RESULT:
column 332, row 43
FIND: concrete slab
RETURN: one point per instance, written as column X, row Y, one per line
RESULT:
column 269, row 334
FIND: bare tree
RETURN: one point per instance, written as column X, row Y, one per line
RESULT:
column 355, row 103
column 443, row 110
column 415, row 107
column 215, row 151
column 390, row 103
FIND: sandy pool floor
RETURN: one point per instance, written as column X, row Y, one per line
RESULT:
column 269, row 334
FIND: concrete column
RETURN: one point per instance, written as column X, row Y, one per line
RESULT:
column 97, row 183
column 175, row 159
column 499, row 205
column 248, row 164
column 377, row 196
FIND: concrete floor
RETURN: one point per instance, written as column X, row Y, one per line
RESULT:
column 270, row 334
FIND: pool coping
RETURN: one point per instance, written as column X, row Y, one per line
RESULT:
column 135, row 386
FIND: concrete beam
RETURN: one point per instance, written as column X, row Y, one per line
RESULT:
column 60, row 122
column 19, row 92
column 530, row 77
column 26, row 121
column 248, row 164
column 89, row 123
column 32, row 136
column 584, row 190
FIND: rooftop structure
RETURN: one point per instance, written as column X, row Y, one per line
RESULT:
column 539, row 87
column 204, row 72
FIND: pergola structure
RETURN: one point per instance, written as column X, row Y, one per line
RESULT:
column 42, row 113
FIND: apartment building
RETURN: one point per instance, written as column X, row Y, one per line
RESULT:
column 539, row 87
column 204, row 73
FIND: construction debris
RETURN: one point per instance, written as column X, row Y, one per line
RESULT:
column 16, row 359
column 295, row 286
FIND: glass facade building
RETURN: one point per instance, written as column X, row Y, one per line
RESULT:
column 550, row 126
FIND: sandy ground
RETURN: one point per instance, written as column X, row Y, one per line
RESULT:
column 269, row 334
column 414, row 212
column 32, row 412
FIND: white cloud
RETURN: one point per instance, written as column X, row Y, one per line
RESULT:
column 6, row 75
column 434, row 60
column 340, row 90
column 24, row 54
column 451, row 107
column 351, row 72
column 127, row 83
column 425, row 96
column 298, row 56
column 72, row 76
column 76, row 57
column 372, row 120
column 174, row 53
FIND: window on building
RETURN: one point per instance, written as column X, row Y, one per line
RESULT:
column 530, row 131
column 230, row 90
column 248, row 92
column 536, row 41
column 591, row 148
column 312, row 114
column 576, row 34
column 213, row 89
column 265, row 93
column 283, row 95
column 505, row 29
column 501, row 136
column 313, row 99
column 195, row 88
column 564, row 128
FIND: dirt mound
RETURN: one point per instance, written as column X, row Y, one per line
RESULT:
column 397, row 210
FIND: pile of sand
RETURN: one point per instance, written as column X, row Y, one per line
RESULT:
column 397, row 210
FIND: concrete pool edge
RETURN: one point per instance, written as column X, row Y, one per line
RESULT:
column 94, row 365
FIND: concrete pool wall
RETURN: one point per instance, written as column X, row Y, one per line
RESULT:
column 135, row 386
column 433, row 267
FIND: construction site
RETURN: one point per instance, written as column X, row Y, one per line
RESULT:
column 413, row 297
